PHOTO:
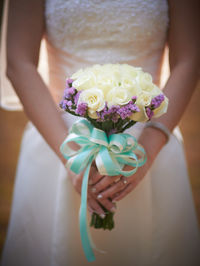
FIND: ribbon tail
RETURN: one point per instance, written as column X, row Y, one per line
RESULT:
column 84, row 229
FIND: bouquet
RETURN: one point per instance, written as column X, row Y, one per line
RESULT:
column 111, row 98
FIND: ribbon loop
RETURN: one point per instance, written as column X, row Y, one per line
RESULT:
column 99, row 137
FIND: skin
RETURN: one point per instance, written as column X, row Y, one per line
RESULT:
column 23, row 53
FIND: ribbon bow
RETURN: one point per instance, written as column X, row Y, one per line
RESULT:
column 111, row 154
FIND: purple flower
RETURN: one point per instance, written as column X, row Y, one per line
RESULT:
column 127, row 110
column 124, row 112
column 69, row 92
column 69, row 82
column 76, row 97
column 63, row 104
column 69, row 104
column 66, row 104
column 103, row 113
column 134, row 98
column 149, row 112
column 156, row 101
column 115, row 112
column 81, row 109
column 113, row 109
column 133, row 107
column 108, row 113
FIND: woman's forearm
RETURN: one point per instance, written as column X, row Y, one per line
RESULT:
column 38, row 103
column 178, row 89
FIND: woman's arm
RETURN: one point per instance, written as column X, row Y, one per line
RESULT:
column 25, row 31
column 184, row 60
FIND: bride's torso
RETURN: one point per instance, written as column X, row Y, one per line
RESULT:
column 85, row 32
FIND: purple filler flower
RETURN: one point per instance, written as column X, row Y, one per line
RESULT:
column 133, row 107
column 149, row 112
column 69, row 104
column 65, row 104
column 113, row 109
column 81, row 109
column 127, row 110
column 69, row 82
column 134, row 98
column 156, row 101
column 69, row 92
column 106, row 112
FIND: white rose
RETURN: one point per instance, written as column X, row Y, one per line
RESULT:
column 130, row 70
column 95, row 100
column 162, row 108
column 140, row 116
column 131, row 86
column 106, row 84
column 85, row 80
column 118, row 96
column 145, row 82
column 143, row 100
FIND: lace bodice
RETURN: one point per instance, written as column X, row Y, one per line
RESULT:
column 85, row 32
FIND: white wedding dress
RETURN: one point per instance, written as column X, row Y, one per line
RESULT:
column 156, row 224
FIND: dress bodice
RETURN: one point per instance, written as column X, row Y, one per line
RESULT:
column 85, row 32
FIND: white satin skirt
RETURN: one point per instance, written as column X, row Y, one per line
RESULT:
column 155, row 224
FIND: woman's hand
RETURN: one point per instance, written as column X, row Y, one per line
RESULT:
column 93, row 203
column 116, row 188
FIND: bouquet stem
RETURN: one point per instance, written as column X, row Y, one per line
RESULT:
column 105, row 223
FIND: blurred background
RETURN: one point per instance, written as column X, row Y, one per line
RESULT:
column 11, row 129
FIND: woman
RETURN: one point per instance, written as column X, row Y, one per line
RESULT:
column 155, row 222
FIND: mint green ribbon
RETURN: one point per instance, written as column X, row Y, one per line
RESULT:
column 111, row 154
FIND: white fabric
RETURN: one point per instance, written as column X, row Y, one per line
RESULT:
column 156, row 224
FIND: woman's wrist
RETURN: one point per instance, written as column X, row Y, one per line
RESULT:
column 152, row 139
column 74, row 146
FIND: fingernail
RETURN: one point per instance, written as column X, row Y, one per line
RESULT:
column 93, row 189
column 102, row 215
column 113, row 209
column 99, row 196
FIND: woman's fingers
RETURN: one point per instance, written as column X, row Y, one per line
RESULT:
column 108, row 204
column 121, row 194
column 95, row 176
column 113, row 189
column 93, row 203
column 103, row 183
column 95, row 207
